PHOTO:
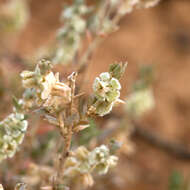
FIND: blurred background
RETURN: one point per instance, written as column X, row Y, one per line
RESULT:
column 159, row 37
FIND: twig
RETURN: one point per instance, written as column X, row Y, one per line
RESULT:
column 66, row 131
column 171, row 147
column 139, row 130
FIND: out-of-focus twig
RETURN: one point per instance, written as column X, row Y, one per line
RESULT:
column 171, row 147
column 140, row 131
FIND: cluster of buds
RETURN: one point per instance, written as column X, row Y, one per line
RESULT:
column 83, row 162
column 139, row 102
column 45, row 88
column 69, row 36
column 129, row 5
column 14, row 15
column 106, row 89
column 12, row 131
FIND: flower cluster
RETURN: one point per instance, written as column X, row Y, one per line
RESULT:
column 129, row 5
column 12, row 131
column 69, row 36
column 101, row 158
column 139, row 102
column 107, row 92
column 43, row 84
column 82, row 163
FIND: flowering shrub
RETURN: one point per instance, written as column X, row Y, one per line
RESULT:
column 61, row 103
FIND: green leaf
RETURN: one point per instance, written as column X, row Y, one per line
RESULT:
column 117, row 70
column 87, row 134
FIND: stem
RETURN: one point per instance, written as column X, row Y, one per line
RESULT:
column 67, row 134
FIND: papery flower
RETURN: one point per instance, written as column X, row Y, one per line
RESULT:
column 55, row 94
column 49, row 82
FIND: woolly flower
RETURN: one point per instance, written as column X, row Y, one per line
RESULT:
column 107, row 91
column 101, row 158
column 78, row 163
column 102, row 108
column 106, row 88
column 12, row 130
column 82, row 163
column 139, row 102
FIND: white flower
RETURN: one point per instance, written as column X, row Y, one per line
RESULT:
column 48, row 84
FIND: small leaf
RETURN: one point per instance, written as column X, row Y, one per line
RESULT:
column 117, row 70
column 114, row 146
column 52, row 120
column 87, row 134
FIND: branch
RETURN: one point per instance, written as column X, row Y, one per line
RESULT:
column 176, row 149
